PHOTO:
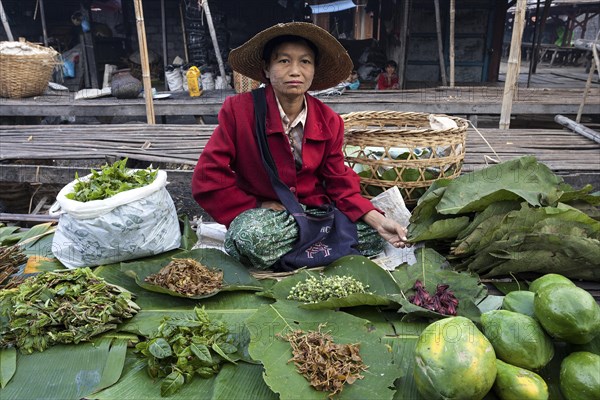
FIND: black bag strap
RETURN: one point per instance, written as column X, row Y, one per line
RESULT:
column 287, row 198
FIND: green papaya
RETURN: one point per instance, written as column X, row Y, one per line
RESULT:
column 567, row 313
column 520, row 301
column 454, row 360
column 549, row 279
column 517, row 339
column 514, row 383
column 580, row 376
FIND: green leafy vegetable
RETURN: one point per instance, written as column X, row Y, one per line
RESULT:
column 110, row 180
column 183, row 347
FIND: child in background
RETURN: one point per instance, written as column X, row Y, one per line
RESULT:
column 352, row 82
column 388, row 79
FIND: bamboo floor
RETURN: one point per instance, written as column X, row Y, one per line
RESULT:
column 565, row 152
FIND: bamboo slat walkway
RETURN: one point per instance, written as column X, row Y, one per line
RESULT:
column 469, row 100
column 563, row 151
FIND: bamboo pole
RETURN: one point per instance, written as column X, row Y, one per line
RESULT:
column 578, row 128
column 5, row 23
column 438, row 28
column 534, row 52
column 43, row 19
column 452, row 27
column 213, row 35
column 588, row 83
column 141, row 30
column 403, row 45
column 183, row 33
column 514, row 63
column 164, row 41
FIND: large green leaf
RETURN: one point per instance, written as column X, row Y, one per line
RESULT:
column 64, row 371
column 447, row 228
column 235, row 274
column 241, row 381
column 425, row 212
column 523, row 177
column 429, row 270
column 281, row 376
column 379, row 281
column 188, row 236
column 8, row 365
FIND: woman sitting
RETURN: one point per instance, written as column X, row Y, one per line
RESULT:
column 305, row 138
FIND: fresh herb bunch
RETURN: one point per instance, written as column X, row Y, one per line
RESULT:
column 110, row 180
column 314, row 290
column 61, row 307
column 183, row 347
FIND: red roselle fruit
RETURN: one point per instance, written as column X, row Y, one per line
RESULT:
column 443, row 301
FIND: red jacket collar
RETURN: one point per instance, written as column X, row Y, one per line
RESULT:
column 314, row 129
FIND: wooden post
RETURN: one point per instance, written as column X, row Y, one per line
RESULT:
column 514, row 62
column 452, row 17
column 88, row 46
column 141, row 29
column 213, row 35
column 438, row 27
column 403, row 45
column 588, row 84
column 5, row 23
column 43, row 19
column 164, row 41
column 545, row 15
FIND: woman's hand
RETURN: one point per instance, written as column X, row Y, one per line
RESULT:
column 390, row 230
column 273, row 205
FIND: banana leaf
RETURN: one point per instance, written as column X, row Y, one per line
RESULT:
column 571, row 195
column 523, row 178
column 425, row 213
column 235, row 275
column 67, row 371
column 447, row 228
column 379, row 281
column 188, row 236
column 281, row 376
column 8, row 365
column 25, row 238
column 241, row 381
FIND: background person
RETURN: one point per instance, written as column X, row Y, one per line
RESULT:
column 388, row 79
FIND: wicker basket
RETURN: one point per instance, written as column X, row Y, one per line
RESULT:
column 389, row 148
column 241, row 83
column 28, row 73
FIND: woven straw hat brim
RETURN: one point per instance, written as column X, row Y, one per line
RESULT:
column 334, row 62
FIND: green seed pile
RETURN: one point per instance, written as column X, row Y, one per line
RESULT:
column 314, row 290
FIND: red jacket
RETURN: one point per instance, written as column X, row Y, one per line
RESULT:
column 230, row 176
column 382, row 82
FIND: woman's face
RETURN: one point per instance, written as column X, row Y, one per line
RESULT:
column 291, row 69
column 390, row 69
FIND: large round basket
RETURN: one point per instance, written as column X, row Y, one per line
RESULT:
column 25, row 69
column 409, row 150
column 241, row 83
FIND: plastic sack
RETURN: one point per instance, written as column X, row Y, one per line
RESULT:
column 174, row 79
column 132, row 224
column 68, row 68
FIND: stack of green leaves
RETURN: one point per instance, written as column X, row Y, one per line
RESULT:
column 61, row 307
column 183, row 347
column 110, row 180
column 512, row 217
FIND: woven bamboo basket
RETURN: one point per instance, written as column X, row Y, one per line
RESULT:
column 27, row 72
column 241, row 83
column 389, row 148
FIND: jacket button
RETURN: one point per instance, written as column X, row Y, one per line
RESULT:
column 293, row 189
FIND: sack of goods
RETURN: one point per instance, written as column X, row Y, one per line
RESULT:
column 114, row 215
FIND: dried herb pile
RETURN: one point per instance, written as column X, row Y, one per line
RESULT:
column 188, row 277
column 314, row 290
column 443, row 301
column 61, row 307
column 183, row 347
column 110, row 180
column 11, row 257
column 327, row 365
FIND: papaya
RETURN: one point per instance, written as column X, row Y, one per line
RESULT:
column 520, row 301
column 514, row 383
column 517, row 339
column 549, row 279
column 580, row 376
column 567, row 313
column 454, row 360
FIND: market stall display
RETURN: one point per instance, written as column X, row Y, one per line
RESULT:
column 393, row 333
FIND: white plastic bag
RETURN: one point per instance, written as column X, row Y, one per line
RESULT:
column 132, row 224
